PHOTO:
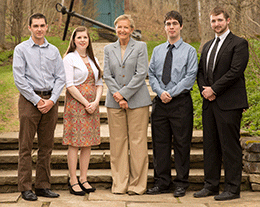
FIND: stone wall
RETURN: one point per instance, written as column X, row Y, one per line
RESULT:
column 251, row 160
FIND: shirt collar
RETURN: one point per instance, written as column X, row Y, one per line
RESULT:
column 176, row 44
column 223, row 36
column 32, row 43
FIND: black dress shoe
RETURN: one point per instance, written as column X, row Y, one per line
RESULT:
column 226, row 196
column 79, row 193
column 29, row 195
column 156, row 190
column 46, row 192
column 205, row 193
column 87, row 190
column 179, row 192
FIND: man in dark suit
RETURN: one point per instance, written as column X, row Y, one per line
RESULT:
column 222, row 84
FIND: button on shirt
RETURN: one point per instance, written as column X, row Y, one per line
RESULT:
column 184, row 68
column 38, row 68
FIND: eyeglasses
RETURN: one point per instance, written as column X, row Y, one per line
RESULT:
column 168, row 24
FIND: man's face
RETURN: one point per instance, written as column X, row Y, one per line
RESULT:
column 173, row 29
column 219, row 24
column 38, row 29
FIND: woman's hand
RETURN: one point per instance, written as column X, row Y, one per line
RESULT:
column 92, row 106
column 117, row 96
column 123, row 104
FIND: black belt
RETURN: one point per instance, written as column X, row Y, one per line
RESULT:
column 43, row 93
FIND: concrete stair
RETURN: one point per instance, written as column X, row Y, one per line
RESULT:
column 99, row 174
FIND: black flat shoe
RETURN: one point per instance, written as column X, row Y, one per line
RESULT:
column 29, row 195
column 79, row 193
column 87, row 190
column 46, row 192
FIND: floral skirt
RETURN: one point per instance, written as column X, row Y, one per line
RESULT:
column 81, row 129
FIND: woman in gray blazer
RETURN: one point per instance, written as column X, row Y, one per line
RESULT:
column 127, row 102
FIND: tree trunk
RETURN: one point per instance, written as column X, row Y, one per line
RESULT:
column 189, row 12
column 2, row 22
column 205, row 28
column 256, row 17
column 18, row 20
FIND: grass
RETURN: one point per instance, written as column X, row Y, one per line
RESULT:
column 8, row 100
column 9, row 93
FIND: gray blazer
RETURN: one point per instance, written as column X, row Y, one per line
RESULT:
column 127, row 76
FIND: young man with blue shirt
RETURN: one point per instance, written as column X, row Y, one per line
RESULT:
column 172, row 73
column 40, row 77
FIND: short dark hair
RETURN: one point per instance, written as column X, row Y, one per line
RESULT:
column 36, row 16
column 219, row 10
column 173, row 15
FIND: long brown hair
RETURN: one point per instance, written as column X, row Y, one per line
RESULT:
column 89, row 50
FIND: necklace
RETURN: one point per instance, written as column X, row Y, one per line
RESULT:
column 83, row 56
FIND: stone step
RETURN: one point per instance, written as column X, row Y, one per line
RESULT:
column 101, row 178
column 9, row 140
column 98, row 159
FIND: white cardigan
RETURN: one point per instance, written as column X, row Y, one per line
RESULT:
column 76, row 71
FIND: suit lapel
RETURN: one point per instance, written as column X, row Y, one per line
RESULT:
column 117, row 51
column 223, row 47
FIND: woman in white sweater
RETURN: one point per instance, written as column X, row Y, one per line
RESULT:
column 81, row 114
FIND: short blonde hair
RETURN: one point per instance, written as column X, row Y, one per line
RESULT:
column 124, row 17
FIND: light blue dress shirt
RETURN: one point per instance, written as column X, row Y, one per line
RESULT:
column 38, row 68
column 184, row 68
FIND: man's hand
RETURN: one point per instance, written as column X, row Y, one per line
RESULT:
column 123, row 104
column 208, row 93
column 166, row 97
column 118, row 97
column 44, row 105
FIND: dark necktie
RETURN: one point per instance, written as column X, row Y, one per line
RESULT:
column 167, row 67
column 211, row 61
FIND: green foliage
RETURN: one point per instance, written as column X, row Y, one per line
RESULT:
column 59, row 43
column 251, row 117
column 5, row 55
column 93, row 33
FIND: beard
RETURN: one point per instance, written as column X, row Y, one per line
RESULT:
column 222, row 29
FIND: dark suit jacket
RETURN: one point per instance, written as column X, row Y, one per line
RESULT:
column 228, row 75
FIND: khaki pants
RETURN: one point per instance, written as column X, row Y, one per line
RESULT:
column 128, row 149
column 32, row 121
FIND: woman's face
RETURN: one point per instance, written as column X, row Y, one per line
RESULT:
column 81, row 40
column 123, row 29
